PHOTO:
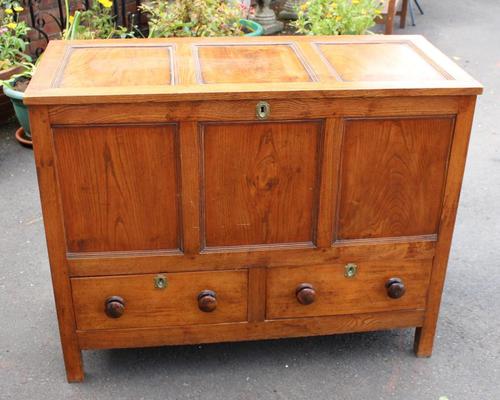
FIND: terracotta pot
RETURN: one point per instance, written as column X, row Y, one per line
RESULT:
column 6, row 109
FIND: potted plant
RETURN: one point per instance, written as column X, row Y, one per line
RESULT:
column 199, row 18
column 95, row 23
column 13, row 43
column 339, row 17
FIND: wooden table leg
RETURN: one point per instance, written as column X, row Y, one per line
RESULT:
column 404, row 12
column 389, row 19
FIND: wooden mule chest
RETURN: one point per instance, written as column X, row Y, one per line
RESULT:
column 209, row 190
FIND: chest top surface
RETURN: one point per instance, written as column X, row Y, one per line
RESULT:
column 97, row 71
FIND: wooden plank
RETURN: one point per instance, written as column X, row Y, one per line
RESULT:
column 149, row 262
column 257, row 294
column 119, row 187
column 268, row 80
column 393, row 176
column 54, row 233
column 425, row 336
column 190, row 187
column 120, row 338
column 329, row 181
column 288, row 109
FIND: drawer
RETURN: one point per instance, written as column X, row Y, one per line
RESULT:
column 133, row 301
column 330, row 292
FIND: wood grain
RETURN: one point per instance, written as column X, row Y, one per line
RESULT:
column 280, row 69
column 119, row 187
column 160, row 165
column 296, row 327
column 260, row 182
column 393, row 176
column 54, row 233
column 336, row 294
column 147, row 306
column 85, row 264
column 424, row 339
column 301, row 108
column 355, row 62
column 105, row 66
column 269, row 63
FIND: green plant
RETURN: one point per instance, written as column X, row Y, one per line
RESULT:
column 194, row 18
column 27, row 73
column 97, row 22
column 13, row 41
column 337, row 17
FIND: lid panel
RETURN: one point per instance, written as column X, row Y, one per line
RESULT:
column 257, row 63
column 396, row 61
column 112, row 66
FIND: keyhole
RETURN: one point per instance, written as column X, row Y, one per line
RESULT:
column 262, row 110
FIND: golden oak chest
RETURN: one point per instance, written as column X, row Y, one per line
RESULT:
column 206, row 190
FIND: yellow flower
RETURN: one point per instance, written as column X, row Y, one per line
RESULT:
column 106, row 3
column 303, row 7
column 355, row 1
column 9, row 11
column 71, row 19
column 329, row 15
column 11, row 25
column 334, row 5
column 18, row 9
column 338, row 18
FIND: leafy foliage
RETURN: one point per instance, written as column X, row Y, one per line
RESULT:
column 98, row 22
column 13, row 40
column 194, row 18
column 337, row 17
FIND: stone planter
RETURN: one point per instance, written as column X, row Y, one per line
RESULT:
column 6, row 109
column 20, row 109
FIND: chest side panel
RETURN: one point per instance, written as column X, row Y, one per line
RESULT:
column 392, row 176
column 119, row 187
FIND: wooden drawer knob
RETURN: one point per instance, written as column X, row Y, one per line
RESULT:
column 207, row 300
column 114, row 306
column 395, row 288
column 305, row 293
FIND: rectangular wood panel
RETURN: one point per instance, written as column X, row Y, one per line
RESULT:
column 336, row 294
column 279, row 62
column 111, row 66
column 399, row 61
column 392, row 176
column 260, row 182
column 119, row 187
column 148, row 306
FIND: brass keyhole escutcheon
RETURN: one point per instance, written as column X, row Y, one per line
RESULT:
column 160, row 281
column 262, row 110
column 350, row 270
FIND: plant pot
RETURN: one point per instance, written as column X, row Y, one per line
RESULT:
column 254, row 28
column 20, row 109
column 6, row 109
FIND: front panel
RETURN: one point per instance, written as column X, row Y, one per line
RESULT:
column 393, row 173
column 119, row 187
column 260, row 182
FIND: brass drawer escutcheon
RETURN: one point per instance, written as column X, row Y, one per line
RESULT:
column 161, row 281
column 350, row 270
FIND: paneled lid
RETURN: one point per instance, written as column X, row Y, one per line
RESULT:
column 105, row 71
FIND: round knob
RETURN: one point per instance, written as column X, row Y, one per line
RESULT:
column 207, row 300
column 114, row 306
column 395, row 288
column 305, row 293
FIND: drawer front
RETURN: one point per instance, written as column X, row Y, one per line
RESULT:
column 330, row 292
column 99, row 301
